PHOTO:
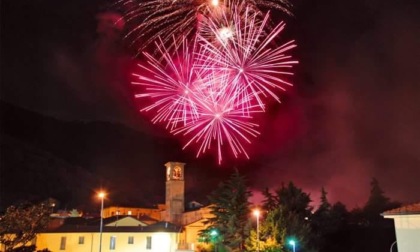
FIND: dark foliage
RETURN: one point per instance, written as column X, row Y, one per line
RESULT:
column 288, row 217
column 20, row 224
column 230, row 206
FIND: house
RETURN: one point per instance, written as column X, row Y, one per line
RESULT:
column 168, row 227
column 124, row 233
column 407, row 226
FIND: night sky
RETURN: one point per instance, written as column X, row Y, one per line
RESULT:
column 353, row 112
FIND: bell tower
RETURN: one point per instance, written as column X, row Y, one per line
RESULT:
column 175, row 185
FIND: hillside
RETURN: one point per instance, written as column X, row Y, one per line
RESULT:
column 42, row 156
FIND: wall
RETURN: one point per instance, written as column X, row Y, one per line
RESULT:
column 160, row 242
column 135, row 211
column 407, row 230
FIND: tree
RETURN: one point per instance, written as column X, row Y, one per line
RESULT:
column 288, row 214
column 20, row 224
column 325, row 206
column 326, row 222
column 295, row 200
column 339, row 215
column 270, row 202
column 231, row 209
column 268, row 244
column 377, row 203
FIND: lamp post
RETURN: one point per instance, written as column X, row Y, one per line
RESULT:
column 214, row 237
column 293, row 243
column 257, row 214
column 392, row 245
column 101, row 195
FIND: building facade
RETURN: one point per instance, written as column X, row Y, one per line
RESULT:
column 127, row 237
column 168, row 227
column 407, row 227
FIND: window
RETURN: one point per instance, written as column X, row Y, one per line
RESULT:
column 63, row 243
column 129, row 213
column 131, row 240
column 81, row 240
column 112, row 243
column 149, row 242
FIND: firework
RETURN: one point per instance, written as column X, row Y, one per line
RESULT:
column 170, row 83
column 193, row 101
column 151, row 19
column 220, row 123
column 246, row 55
column 208, row 88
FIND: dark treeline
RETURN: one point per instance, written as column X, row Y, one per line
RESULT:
column 333, row 227
column 287, row 217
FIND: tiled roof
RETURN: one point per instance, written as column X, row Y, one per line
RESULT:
column 157, row 227
column 80, row 221
column 95, row 221
column 145, row 217
column 405, row 210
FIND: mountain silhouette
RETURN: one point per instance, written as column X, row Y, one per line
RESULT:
column 45, row 157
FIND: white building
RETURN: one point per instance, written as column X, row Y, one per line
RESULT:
column 407, row 227
column 123, row 234
column 167, row 228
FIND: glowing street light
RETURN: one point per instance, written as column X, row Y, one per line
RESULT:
column 101, row 195
column 293, row 243
column 214, row 233
column 257, row 214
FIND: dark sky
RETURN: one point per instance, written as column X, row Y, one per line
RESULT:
column 353, row 113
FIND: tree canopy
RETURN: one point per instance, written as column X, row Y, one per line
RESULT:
column 231, row 209
column 20, row 224
column 288, row 212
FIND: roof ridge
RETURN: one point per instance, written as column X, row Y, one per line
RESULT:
column 406, row 209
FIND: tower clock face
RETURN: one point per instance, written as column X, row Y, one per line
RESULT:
column 177, row 174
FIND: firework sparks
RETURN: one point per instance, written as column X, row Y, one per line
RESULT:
column 192, row 101
column 170, row 84
column 220, row 124
column 246, row 56
column 167, row 18
column 208, row 90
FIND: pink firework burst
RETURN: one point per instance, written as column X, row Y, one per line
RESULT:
column 248, row 56
column 208, row 91
column 170, row 82
column 221, row 123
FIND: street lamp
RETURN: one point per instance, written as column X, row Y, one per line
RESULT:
column 293, row 243
column 257, row 214
column 214, row 239
column 392, row 245
column 101, row 195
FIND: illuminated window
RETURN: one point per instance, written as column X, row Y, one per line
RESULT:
column 129, row 213
column 81, row 240
column 131, row 240
column 118, row 212
column 63, row 243
column 112, row 242
column 149, row 242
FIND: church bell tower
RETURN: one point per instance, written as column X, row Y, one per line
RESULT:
column 175, row 185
